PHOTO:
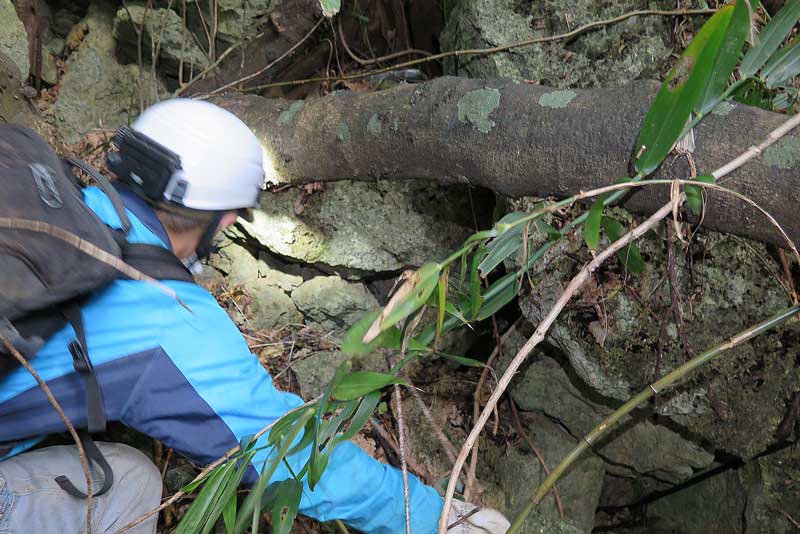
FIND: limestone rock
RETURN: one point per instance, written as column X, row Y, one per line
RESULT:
column 382, row 226
column 725, row 285
column 236, row 19
column 96, row 91
column 316, row 370
column 13, row 38
column 507, row 476
column 616, row 54
column 333, row 303
column 638, row 448
column 163, row 29
column 519, row 473
column 271, row 307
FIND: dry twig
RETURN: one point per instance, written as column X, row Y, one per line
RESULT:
column 72, row 432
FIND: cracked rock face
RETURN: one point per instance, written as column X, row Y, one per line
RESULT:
column 636, row 48
column 639, row 448
column 375, row 227
column 611, row 331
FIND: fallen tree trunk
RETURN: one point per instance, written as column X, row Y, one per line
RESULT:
column 518, row 140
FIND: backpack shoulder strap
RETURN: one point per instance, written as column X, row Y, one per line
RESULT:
column 155, row 261
column 105, row 185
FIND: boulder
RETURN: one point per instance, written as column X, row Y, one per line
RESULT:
column 378, row 227
column 236, row 19
column 162, row 29
column 333, row 303
column 96, row 91
column 638, row 47
column 638, row 448
column 13, row 38
column 611, row 332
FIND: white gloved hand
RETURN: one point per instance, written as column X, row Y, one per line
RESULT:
column 483, row 521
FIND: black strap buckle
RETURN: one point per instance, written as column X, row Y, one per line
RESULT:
column 93, row 456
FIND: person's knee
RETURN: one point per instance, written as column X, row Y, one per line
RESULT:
column 133, row 468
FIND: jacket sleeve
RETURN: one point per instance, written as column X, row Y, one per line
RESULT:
column 204, row 392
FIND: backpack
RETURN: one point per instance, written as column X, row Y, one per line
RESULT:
column 49, row 265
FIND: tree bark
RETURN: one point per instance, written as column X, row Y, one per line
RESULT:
column 520, row 140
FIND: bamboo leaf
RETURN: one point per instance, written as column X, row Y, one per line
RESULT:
column 252, row 504
column 287, row 502
column 552, row 233
column 410, row 297
column 359, row 383
column 629, row 255
column 500, row 293
column 783, row 66
column 330, row 7
column 463, row 360
column 729, row 54
column 229, row 515
column 509, row 240
column 694, row 194
column 353, row 344
column 443, row 281
column 475, row 283
column 682, row 89
column 201, row 515
column 770, row 38
column 591, row 228
column 360, row 418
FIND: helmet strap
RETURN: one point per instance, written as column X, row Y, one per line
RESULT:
column 206, row 246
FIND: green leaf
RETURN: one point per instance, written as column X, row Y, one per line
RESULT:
column 501, row 292
column 629, row 254
column 360, row 418
column 252, row 504
column 682, row 89
column 475, row 283
column 507, row 242
column 463, row 360
column 428, row 278
column 443, row 281
column 330, row 7
column 552, row 233
column 201, row 515
column 229, row 514
column 770, row 38
column 352, row 344
column 337, row 379
column 285, row 506
column 694, row 194
column 783, row 66
column 360, row 383
column 728, row 56
column 591, row 228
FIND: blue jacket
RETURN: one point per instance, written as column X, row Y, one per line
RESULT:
column 189, row 380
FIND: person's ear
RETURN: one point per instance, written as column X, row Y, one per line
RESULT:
column 228, row 219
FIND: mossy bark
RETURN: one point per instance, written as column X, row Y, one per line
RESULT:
column 520, row 140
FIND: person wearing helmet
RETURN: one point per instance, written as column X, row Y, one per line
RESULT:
column 181, row 374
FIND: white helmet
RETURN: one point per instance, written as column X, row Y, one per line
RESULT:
column 221, row 165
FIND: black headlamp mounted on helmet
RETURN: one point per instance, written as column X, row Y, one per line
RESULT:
column 145, row 165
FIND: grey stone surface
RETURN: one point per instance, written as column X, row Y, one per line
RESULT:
column 638, row 447
column 380, row 226
column 611, row 330
column 162, row 30
column 96, row 91
column 636, row 48
column 333, row 303
column 13, row 38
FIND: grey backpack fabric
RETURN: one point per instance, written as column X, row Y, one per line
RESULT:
column 42, row 275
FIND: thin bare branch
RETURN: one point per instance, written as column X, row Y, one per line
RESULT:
column 70, row 428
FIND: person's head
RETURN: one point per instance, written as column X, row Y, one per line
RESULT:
column 197, row 164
